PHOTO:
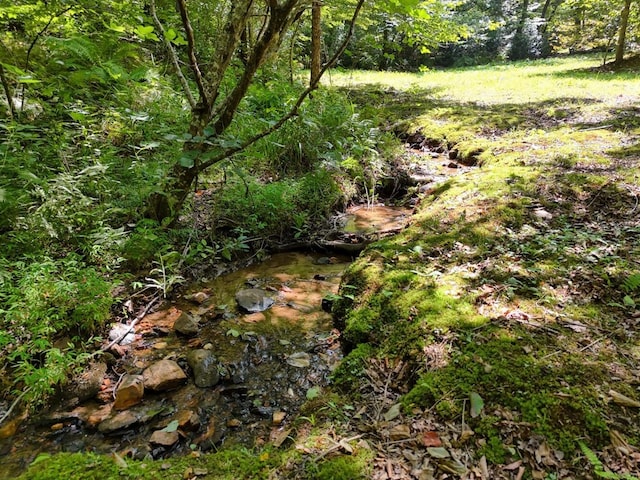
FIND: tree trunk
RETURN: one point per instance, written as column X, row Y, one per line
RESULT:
column 622, row 32
column 316, row 40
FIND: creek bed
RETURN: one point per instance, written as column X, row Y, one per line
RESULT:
column 269, row 363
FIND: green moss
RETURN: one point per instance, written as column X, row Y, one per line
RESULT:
column 350, row 467
column 228, row 464
column 349, row 373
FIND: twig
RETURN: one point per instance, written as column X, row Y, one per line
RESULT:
column 172, row 54
column 133, row 324
column 13, row 405
column 337, row 446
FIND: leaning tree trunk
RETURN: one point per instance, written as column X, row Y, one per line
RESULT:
column 316, row 40
column 622, row 32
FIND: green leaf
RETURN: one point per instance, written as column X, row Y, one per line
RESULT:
column 477, row 404
column 393, row 412
column 233, row 333
column 187, row 161
column 172, row 427
column 313, row 392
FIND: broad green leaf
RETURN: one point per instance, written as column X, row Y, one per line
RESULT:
column 312, row 393
column 233, row 333
column 477, row 404
column 172, row 427
column 392, row 413
column 187, row 161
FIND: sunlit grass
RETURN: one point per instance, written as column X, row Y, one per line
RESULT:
column 515, row 83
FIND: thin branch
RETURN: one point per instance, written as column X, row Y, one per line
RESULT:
column 182, row 6
column 33, row 44
column 13, row 405
column 294, row 110
column 174, row 57
column 7, row 92
column 133, row 324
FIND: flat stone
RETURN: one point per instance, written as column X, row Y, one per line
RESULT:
column 188, row 420
column 254, row 300
column 166, row 439
column 278, row 417
column 120, row 329
column 205, row 367
column 118, row 421
column 198, row 297
column 87, row 384
column 186, row 325
column 129, row 392
column 163, row 375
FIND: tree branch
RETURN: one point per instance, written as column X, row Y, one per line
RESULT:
column 172, row 54
column 182, row 6
column 294, row 110
column 7, row 92
column 33, row 44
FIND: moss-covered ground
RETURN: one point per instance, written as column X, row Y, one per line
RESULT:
column 497, row 336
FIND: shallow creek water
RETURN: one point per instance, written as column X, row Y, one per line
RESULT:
column 270, row 362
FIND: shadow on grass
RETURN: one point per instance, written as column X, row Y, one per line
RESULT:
column 402, row 108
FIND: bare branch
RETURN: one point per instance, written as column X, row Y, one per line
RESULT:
column 182, row 6
column 172, row 54
column 294, row 110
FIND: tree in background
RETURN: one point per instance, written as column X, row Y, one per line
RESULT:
column 622, row 31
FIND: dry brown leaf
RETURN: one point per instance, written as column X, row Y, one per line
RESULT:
column 512, row 466
column 484, row 469
column 431, row 439
column 623, row 400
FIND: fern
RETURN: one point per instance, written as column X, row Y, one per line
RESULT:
column 598, row 467
column 631, row 283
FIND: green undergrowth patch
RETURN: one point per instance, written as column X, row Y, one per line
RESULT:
column 522, row 273
column 228, row 463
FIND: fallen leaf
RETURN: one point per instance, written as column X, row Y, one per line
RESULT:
column 431, row 439
column 280, row 437
column 119, row 461
column 346, row 448
column 393, row 412
column 477, row 404
column 452, row 465
column 623, row 400
column 299, row 359
column 484, row 469
column 512, row 466
column 438, row 452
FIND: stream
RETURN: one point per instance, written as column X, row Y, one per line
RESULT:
column 260, row 364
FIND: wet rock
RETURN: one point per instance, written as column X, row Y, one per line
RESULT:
column 86, row 385
column 254, row 300
column 188, row 420
column 120, row 329
column 327, row 305
column 205, row 367
column 198, row 298
column 129, row 392
column 118, row 421
column 186, row 325
column 163, row 375
column 164, row 438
